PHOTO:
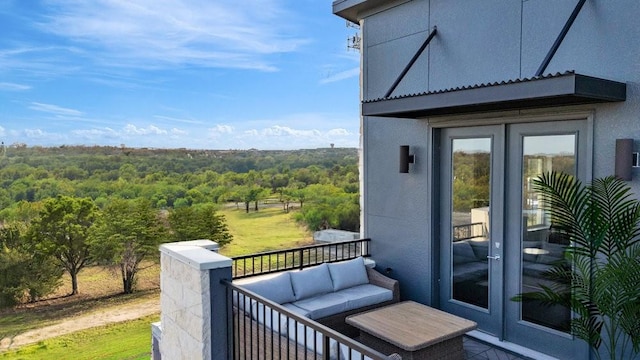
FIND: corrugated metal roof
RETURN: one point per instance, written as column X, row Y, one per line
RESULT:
column 567, row 88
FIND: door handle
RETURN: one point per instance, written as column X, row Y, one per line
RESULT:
column 496, row 257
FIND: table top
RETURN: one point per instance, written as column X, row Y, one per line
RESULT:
column 411, row 326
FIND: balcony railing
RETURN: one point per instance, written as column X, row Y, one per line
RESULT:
column 469, row 231
column 298, row 258
column 262, row 329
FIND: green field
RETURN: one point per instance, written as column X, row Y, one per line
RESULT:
column 268, row 229
column 126, row 340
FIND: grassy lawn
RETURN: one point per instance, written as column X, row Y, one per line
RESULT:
column 270, row 228
column 127, row 340
column 100, row 288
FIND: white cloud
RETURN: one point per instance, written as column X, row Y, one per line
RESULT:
column 13, row 86
column 35, row 133
column 148, row 33
column 286, row 137
column 338, row 132
column 220, row 129
column 179, row 132
column 94, row 134
column 55, row 109
column 287, row 131
column 2, row 131
column 341, row 76
column 130, row 129
column 174, row 119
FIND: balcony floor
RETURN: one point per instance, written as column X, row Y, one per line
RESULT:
column 477, row 350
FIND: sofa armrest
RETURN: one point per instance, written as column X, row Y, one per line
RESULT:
column 378, row 279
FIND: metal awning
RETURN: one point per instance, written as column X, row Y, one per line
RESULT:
column 558, row 89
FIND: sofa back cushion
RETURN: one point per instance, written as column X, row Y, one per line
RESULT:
column 463, row 252
column 311, row 282
column 277, row 289
column 346, row 274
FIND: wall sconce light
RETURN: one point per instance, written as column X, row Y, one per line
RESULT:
column 625, row 159
column 405, row 159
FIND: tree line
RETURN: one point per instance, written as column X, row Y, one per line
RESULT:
column 65, row 234
column 180, row 178
column 64, row 208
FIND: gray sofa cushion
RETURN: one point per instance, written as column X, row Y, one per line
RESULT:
column 344, row 300
column 463, row 252
column 323, row 305
column 311, row 282
column 365, row 295
column 277, row 289
column 295, row 309
column 269, row 317
column 349, row 273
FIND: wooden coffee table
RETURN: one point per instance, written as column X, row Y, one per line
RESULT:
column 413, row 330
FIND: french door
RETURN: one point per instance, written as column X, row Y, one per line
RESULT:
column 496, row 241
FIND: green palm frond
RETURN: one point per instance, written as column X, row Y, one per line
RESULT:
column 602, row 283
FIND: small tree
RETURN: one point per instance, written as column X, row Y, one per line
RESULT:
column 199, row 222
column 127, row 233
column 24, row 273
column 603, row 223
column 61, row 231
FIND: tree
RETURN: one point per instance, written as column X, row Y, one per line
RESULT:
column 199, row 222
column 329, row 206
column 246, row 194
column 127, row 233
column 23, row 271
column 61, row 231
column 600, row 278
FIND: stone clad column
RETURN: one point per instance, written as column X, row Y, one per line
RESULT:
column 193, row 318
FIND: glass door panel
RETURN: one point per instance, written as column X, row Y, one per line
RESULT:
column 543, row 246
column 471, row 229
column 532, row 244
column 471, row 194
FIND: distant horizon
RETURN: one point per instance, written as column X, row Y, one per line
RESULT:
column 124, row 146
column 269, row 74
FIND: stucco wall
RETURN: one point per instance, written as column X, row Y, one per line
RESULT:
column 396, row 206
column 478, row 42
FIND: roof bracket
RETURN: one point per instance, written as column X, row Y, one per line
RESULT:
column 412, row 61
column 560, row 38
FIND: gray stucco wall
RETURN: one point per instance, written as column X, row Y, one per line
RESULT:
column 396, row 205
column 478, row 42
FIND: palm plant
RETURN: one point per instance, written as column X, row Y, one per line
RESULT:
column 602, row 283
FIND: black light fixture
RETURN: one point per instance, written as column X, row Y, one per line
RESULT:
column 405, row 159
column 624, row 159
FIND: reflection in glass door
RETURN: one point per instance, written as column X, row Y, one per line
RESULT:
column 470, row 225
column 496, row 241
column 542, row 245
column 532, row 244
column 471, row 194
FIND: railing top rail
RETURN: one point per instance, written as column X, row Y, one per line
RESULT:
column 306, row 247
column 298, row 258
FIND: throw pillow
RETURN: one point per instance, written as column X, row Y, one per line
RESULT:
column 277, row 289
column 349, row 273
column 312, row 281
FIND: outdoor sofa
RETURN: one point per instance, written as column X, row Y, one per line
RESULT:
column 326, row 293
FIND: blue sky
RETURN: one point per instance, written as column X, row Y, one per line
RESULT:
column 205, row 74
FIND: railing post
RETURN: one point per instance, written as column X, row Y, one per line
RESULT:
column 301, row 266
column 193, row 301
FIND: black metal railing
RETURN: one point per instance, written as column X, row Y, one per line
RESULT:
column 469, row 231
column 262, row 329
column 298, row 258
